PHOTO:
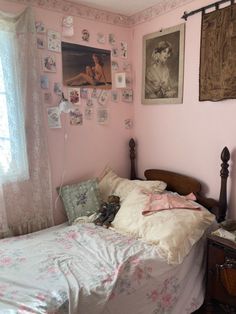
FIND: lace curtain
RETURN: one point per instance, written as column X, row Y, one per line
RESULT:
column 25, row 183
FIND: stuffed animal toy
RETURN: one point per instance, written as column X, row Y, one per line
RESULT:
column 108, row 210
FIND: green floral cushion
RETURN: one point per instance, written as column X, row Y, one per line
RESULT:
column 81, row 199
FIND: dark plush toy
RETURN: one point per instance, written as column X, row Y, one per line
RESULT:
column 108, row 210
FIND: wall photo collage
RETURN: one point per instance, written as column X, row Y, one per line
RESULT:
column 90, row 84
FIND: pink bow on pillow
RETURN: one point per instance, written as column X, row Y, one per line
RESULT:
column 158, row 202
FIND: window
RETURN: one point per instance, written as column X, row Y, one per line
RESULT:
column 13, row 156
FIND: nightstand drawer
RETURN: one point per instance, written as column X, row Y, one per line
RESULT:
column 218, row 253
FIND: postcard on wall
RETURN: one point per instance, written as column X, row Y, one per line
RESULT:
column 127, row 66
column 54, row 41
column 67, row 26
column 114, row 52
column 74, row 95
column 114, row 65
column 111, row 39
column 40, row 27
column 85, row 66
column 54, row 120
column 127, row 95
column 128, row 123
column 57, row 88
column 76, row 117
column 114, row 95
column 44, row 82
column 120, row 80
column 124, row 49
column 49, row 63
column 101, row 38
column 103, row 97
column 40, row 42
column 102, row 115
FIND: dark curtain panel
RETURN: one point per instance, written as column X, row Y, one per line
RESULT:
column 218, row 55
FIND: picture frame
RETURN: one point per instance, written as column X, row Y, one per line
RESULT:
column 85, row 66
column 163, row 66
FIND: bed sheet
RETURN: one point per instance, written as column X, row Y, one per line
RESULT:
column 87, row 269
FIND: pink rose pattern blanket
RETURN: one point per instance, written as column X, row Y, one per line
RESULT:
column 87, row 269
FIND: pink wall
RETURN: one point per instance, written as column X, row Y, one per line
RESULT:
column 92, row 146
column 186, row 137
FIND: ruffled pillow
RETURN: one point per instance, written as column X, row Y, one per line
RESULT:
column 110, row 183
column 174, row 231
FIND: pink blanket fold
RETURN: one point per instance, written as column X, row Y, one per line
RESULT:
column 158, row 202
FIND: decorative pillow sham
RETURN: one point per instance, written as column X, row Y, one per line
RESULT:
column 81, row 199
column 175, row 231
column 111, row 183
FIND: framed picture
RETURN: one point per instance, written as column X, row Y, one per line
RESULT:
column 86, row 66
column 163, row 64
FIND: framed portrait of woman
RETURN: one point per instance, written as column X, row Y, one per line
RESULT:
column 163, row 66
column 84, row 66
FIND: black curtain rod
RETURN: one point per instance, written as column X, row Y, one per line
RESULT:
column 216, row 5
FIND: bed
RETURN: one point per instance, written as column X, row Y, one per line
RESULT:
column 87, row 269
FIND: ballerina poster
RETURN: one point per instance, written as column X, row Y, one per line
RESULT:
column 85, row 66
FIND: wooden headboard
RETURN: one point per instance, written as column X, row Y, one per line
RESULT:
column 184, row 185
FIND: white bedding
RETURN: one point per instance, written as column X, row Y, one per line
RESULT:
column 87, row 269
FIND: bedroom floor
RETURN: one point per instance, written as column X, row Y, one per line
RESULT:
column 218, row 309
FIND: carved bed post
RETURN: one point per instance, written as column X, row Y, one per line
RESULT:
column 132, row 159
column 224, row 173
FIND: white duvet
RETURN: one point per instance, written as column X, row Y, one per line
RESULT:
column 87, row 269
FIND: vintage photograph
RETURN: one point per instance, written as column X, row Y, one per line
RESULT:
column 163, row 62
column 86, row 66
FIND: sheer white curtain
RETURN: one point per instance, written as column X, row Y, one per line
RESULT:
column 25, row 183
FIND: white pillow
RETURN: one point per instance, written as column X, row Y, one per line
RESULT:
column 110, row 183
column 175, row 231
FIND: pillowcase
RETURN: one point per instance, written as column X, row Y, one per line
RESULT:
column 175, row 231
column 81, row 199
column 110, row 183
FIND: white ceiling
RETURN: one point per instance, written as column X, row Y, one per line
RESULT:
column 124, row 7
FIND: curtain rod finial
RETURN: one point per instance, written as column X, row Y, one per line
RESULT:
column 185, row 16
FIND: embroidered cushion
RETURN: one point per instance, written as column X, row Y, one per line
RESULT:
column 81, row 199
column 174, row 231
column 110, row 183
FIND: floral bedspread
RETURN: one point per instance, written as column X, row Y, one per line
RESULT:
column 87, row 269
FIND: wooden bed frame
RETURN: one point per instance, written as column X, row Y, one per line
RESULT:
column 184, row 185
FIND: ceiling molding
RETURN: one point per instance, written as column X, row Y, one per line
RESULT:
column 75, row 9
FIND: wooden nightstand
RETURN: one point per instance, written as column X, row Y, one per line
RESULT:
column 219, row 251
